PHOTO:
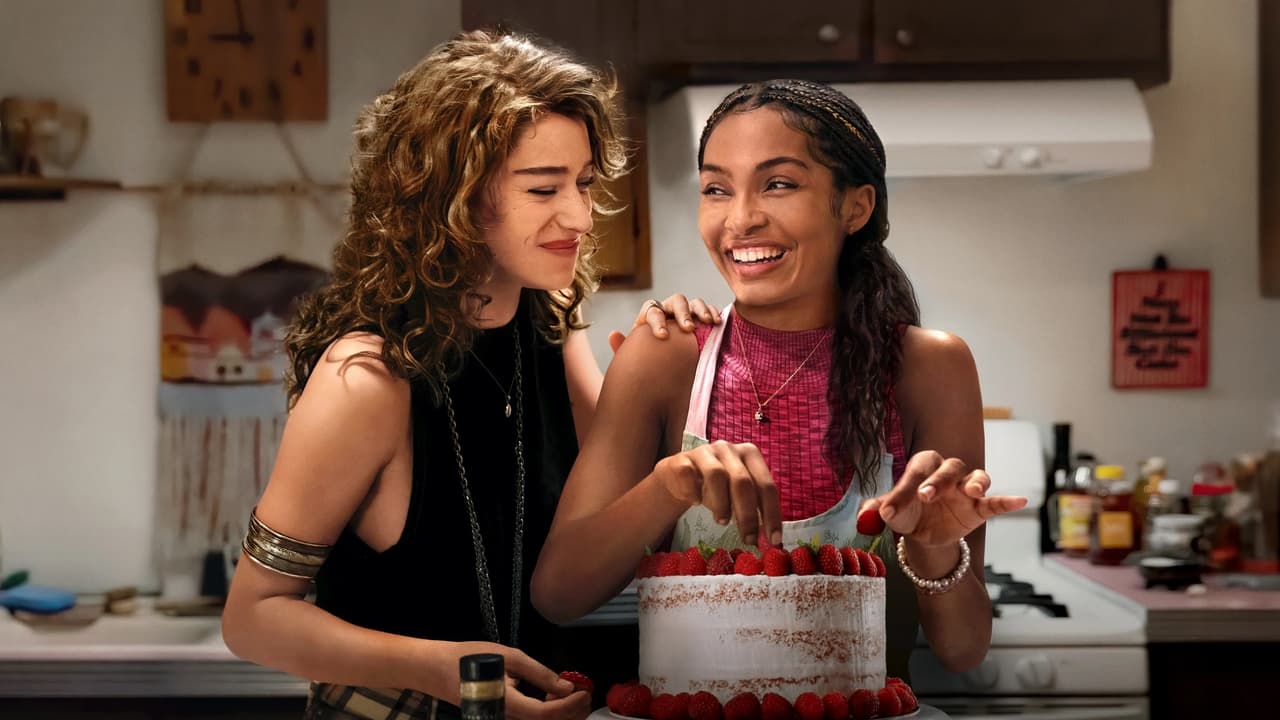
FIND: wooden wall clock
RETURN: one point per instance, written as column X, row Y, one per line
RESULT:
column 246, row 60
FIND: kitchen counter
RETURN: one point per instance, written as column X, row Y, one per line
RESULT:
column 142, row 655
column 1220, row 614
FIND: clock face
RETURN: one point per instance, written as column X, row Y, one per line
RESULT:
column 246, row 60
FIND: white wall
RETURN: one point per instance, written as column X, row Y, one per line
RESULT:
column 1020, row 270
column 78, row 296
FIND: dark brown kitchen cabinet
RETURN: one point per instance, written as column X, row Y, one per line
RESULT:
column 1269, row 149
column 1090, row 35
column 680, row 32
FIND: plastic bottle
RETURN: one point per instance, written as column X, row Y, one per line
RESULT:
column 1111, row 525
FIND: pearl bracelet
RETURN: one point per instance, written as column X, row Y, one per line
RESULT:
column 942, row 584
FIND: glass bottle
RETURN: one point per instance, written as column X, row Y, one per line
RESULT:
column 1070, row 509
column 1055, row 481
column 483, row 685
column 1111, row 526
column 1150, row 473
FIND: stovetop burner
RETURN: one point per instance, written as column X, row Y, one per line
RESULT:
column 1013, row 598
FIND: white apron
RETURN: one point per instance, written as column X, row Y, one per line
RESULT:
column 836, row 526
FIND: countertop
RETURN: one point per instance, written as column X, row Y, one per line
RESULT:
column 1220, row 613
column 146, row 654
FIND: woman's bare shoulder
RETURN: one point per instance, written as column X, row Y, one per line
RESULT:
column 352, row 375
column 934, row 361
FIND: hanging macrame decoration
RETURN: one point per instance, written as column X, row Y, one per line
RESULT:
column 232, row 265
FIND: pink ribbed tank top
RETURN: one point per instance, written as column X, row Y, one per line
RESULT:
column 792, row 440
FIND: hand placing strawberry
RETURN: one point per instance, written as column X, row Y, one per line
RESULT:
column 580, row 681
column 938, row 501
column 869, row 522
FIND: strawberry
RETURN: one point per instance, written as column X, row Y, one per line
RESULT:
column 776, row 707
column 865, row 563
column 704, row 706
column 692, row 562
column 893, row 681
column 803, row 562
column 776, row 562
column 863, row 704
column 747, row 564
column 580, row 681
column 613, row 699
column 890, row 703
column 720, row 563
column 836, row 705
column 669, row 564
column 734, row 553
column 647, row 567
column 909, row 702
column 682, row 706
column 879, row 561
column 869, row 522
column 664, row 707
column 851, row 564
column 743, row 706
column 809, row 707
column 636, row 702
column 829, row 560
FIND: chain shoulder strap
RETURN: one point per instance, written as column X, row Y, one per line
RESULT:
column 477, row 540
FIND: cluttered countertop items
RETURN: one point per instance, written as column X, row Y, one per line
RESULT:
column 1162, row 544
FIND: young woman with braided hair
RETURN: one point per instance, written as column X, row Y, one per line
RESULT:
column 440, row 387
column 820, row 393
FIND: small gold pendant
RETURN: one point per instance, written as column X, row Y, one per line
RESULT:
column 760, row 418
column 508, row 410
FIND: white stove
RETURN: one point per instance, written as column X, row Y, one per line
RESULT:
column 1058, row 649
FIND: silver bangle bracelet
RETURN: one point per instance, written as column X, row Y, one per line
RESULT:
column 939, row 585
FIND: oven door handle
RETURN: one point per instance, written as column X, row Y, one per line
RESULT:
column 1114, row 712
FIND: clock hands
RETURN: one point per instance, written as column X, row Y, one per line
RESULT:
column 242, row 36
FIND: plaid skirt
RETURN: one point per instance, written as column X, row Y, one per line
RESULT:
column 344, row 702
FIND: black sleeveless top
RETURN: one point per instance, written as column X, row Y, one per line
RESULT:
column 425, row 585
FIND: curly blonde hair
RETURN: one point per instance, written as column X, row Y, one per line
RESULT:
column 425, row 153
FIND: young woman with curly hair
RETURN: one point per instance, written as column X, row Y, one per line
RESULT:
column 820, row 394
column 440, row 387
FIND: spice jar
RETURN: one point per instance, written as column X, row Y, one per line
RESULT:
column 1111, row 526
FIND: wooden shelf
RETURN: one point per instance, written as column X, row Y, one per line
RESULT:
column 26, row 187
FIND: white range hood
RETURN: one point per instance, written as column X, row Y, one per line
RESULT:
column 1072, row 128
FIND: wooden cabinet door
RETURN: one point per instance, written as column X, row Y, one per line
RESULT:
column 940, row 32
column 679, row 32
column 603, row 34
column 1269, row 148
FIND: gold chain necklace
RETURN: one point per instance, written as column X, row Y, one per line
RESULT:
column 759, row 414
column 507, row 392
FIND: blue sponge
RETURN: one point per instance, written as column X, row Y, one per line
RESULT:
column 36, row 599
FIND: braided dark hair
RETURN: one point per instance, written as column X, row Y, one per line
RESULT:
column 876, row 297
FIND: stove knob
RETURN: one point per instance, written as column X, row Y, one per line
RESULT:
column 1035, row 672
column 1031, row 157
column 983, row 677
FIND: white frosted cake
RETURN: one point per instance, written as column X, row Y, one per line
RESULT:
column 729, row 634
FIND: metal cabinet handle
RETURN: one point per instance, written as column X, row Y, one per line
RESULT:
column 905, row 38
column 828, row 34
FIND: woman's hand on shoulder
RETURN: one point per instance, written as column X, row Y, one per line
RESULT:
column 561, row 702
column 731, row 480
column 655, row 315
